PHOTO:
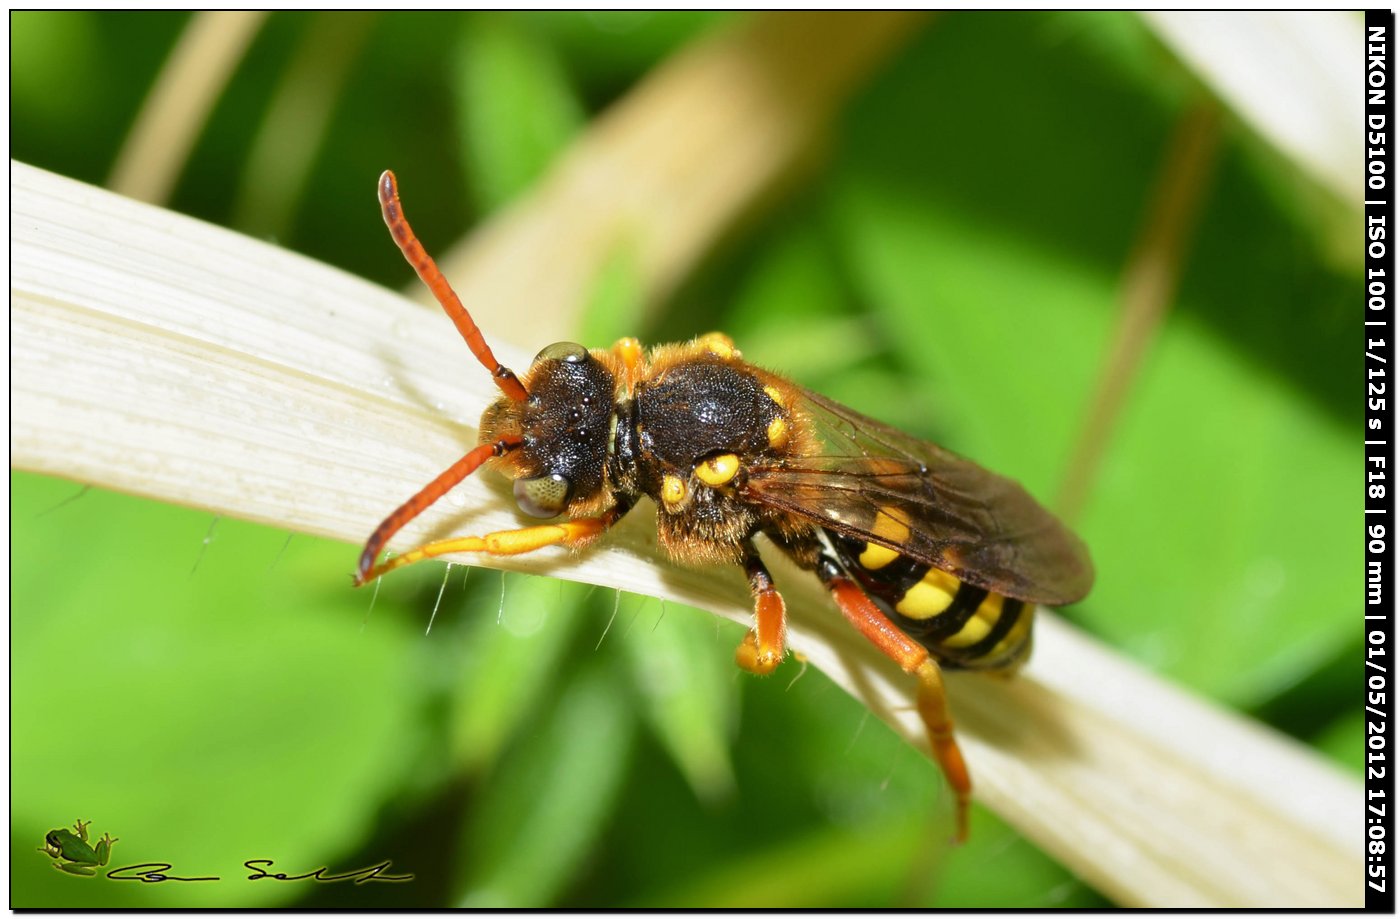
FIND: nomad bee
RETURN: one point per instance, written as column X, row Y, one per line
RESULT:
column 935, row 560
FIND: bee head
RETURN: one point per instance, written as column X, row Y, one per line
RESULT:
column 562, row 426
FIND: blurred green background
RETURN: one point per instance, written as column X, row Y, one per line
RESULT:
column 211, row 691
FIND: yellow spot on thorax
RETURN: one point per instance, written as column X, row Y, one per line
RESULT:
column 777, row 433
column 778, row 427
column 719, row 344
column 718, row 470
column 672, row 490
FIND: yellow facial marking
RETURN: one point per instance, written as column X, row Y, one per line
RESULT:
column 672, row 490
column 777, row 433
column 979, row 626
column 929, row 597
column 719, row 344
column 776, row 395
column 718, row 470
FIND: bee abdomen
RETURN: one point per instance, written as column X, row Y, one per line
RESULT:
column 963, row 626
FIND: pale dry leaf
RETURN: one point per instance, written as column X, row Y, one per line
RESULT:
column 665, row 172
column 1292, row 75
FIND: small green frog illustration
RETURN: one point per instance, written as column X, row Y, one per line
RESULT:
column 71, row 852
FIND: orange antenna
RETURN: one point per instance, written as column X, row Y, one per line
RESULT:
column 421, row 501
column 428, row 270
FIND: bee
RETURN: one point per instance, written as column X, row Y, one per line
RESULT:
column 938, row 562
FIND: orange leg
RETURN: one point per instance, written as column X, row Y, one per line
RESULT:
column 914, row 659
column 420, row 502
column 572, row 533
column 762, row 649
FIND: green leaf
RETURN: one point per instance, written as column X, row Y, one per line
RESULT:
column 608, row 47
column 615, row 304
column 203, row 715
column 1339, row 740
column 688, row 690
column 515, row 664
column 552, row 798
column 515, row 106
column 1244, row 492
column 897, row 860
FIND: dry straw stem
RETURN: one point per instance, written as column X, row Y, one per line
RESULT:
column 156, row 355
column 190, row 83
column 1150, row 277
column 672, row 167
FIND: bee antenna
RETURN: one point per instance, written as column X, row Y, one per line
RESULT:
column 428, row 271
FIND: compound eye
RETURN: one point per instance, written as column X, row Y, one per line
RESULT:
column 563, row 351
column 544, row 496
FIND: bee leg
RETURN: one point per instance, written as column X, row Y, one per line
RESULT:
column 420, row 502
column 914, row 659
column 574, row 533
column 762, row 649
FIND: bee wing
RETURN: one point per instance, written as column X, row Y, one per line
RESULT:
column 981, row 527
